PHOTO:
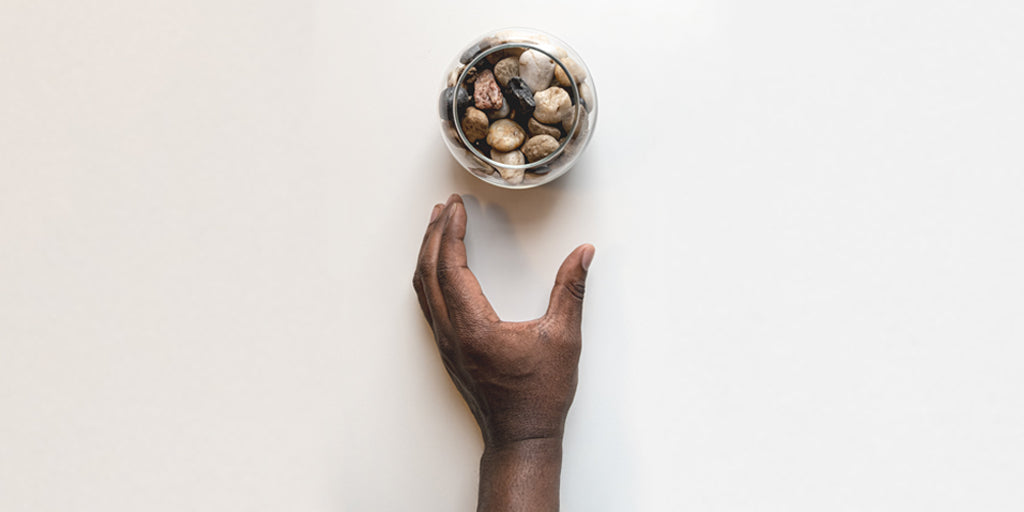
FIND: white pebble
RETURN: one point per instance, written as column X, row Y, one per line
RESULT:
column 536, row 69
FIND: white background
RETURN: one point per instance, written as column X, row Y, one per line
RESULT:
column 808, row 291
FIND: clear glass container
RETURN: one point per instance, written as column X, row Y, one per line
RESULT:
column 547, row 108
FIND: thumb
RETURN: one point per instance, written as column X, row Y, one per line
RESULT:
column 570, row 284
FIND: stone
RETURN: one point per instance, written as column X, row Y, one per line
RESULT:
column 587, row 95
column 474, row 124
column 561, row 78
column 486, row 93
column 575, row 69
column 482, row 147
column 552, row 105
column 472, row 51
column 520, row 96
column 505, row 135
column 448, row 96
column 567, row 122
column 505, row 53
column 535, row 128
column 453, row 76
column 508, row 157
column 539, row 147
column 501, row 113
column 536, row 69
column 512, row 175
column 505, row 69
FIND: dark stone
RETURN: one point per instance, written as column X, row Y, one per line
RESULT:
column 544, row 169
column 482, row 147
column 473, row 51
column 520, row 98
column 444, row 103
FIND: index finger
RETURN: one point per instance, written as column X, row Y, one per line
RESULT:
column 462, row 293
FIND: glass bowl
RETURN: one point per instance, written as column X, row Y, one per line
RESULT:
column 517, row 107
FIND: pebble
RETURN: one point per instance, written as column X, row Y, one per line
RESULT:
column 505, row 53
column 539, row 147
column 520, row 96
column 472, row 51
column 587, row 94
column 505, row 135
column 567, row 122
column 537, row 128
column 501, row 113
column 474, row 124
column 513, row 176
column 553, row 105
column 505, row 69
column 508, row 157
column 453, row 77
column 448, row 95
column 575, row 69
column 486, row 93
column 536, row 69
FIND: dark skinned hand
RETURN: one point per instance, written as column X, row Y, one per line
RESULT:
column 518, row 378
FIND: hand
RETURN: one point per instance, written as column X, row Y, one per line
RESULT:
column 518, row 378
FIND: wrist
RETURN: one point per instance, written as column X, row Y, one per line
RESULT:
column 521, row 475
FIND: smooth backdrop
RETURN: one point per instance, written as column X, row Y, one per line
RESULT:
column 808, row 292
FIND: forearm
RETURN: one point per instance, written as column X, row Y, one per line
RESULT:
column 521, row 476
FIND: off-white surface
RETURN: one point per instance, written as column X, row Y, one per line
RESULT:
column 808, row 292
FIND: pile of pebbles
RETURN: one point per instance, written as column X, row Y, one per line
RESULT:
column 516, row 105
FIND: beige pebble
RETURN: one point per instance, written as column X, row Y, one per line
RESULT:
column 505, row 135
column 539, row 147
column 513, row 176
column 537, row 128
column 553, row 105
column 505, row 69
column 474, row 124
column 453, row 77
column 508, row 157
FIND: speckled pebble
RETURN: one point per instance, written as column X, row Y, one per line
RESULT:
column 486, row 93
column 553, row 105
column 536, row 69
column 505, row 69
column 539, row 147
column 505, row 135
column 474, row 124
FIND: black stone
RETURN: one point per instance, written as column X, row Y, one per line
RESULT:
column 472, row 51
column 482, row 147
column 520, row 98
column 544, row 169
column 444, row 104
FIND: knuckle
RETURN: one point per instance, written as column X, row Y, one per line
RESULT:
column 576, row 289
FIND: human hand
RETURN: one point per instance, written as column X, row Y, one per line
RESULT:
column 518, row 378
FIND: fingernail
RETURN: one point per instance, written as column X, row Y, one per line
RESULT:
column 588, row 256
column 435, row 212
